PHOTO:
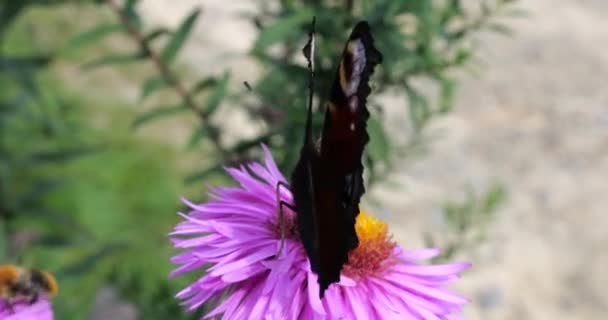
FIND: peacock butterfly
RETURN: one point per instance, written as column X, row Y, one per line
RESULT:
column 327, row 182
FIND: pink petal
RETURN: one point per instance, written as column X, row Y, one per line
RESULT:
column 432, row 270
column 271, row 165
column 422, row 254
column 313, row 294
column 263, row 253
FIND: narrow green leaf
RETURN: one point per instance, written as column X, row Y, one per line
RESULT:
column 493, row 198
column 446, row 94
column 420, row 112
column 61, row 155
column 15, row 63
column 130, row 12
column 462, row 55
column 93, row 35
column 38, row 190
column 92, row 259
column 157, row 113
column 114, row 59
column 130, row 4
column 58, row 219
column 197, row 135
column 10, row 11
column 23, row 69
column 379, row 145
column 179, row 37
column 281, row 29
column 204, row 84
column 217, row 95
column 152, row 85
column 155, row 34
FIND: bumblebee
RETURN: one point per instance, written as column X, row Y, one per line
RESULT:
column 19, row 284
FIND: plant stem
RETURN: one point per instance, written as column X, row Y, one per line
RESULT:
column 173, row 81
column 349, row 5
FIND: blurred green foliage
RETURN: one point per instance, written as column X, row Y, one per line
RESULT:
column 464, row 223
column 82, row 195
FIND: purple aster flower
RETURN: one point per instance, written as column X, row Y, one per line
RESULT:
column 23, row 310
column 383, row 281
column 234, row 239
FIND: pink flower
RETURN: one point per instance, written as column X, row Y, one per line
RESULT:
column 21, row 310
column 233, row 240
column 382, row 281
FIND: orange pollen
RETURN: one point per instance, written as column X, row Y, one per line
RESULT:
column 375, row 247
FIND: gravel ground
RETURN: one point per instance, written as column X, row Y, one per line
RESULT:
column 535, row 119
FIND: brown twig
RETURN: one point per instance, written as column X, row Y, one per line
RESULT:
column 349, row 5
column 166, row 73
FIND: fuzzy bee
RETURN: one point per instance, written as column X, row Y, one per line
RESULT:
column 21, row 284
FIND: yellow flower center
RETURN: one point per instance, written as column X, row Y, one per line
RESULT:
column 375, row 246
column 370, row 257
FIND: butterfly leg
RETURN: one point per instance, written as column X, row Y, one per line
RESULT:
column 281, row 218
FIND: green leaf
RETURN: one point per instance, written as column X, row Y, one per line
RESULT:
column 493, row 198
column 38, row 190
column 90, row 260
column 446, row 94
column 61, row 155
column 204, row 84
column 379, row 146
column 23, row 69
column 151, row 85
column 9, row 12
column 58, row 219
column 155, row 34
column 15, row 63
column 93, row 35
column 156, row 114
column 281, row 29
column 217, row 95
column 130, row 12
column 114, row 59
column 197, row 135
column 130, row 4
column 420, row 113
column 179, row 37
column 462, row 55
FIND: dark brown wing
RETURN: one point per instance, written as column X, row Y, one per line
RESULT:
column 343, row 140
column 328, row 183
column 302, row 182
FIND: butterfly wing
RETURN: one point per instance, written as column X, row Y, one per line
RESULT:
column 302, row 178
column 343, row 140
column 328, row 181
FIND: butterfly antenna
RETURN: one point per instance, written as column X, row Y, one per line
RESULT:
column 309, row 53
